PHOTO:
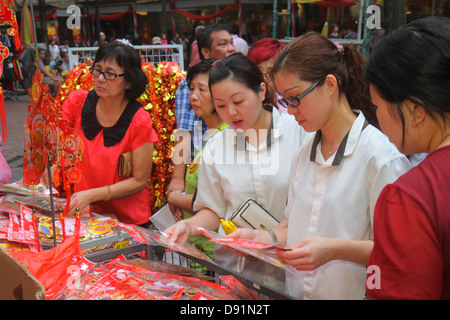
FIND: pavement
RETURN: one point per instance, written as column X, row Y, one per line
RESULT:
column 16, row 108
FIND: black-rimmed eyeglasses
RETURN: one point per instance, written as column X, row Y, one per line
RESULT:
column 295, row 101
column 107, row 75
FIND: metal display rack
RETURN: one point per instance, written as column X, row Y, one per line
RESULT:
column 158, row 253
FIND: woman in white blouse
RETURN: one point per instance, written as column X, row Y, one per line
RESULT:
column 249, row 159
column 336, row 176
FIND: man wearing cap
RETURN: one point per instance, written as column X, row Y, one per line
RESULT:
column 158, row 55
column 156, row 40
column 215, row 41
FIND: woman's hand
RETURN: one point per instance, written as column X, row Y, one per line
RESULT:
column 80, row 200
column 171, row 201
column 175, row 185
column 179, row 232
column 309, row 254
column 247, row 234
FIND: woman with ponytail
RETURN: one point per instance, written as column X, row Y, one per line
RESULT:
column 336, row 176
column 249, row 159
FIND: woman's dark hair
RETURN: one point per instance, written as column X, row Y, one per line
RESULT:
column 203, row 66
column 313, row 57
column 129, row 59
column 413, row 63
column 241, row 69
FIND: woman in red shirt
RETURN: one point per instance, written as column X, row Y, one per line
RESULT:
column 110, row 122
column 409, row 72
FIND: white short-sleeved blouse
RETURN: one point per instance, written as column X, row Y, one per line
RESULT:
column 336, row 198
column 232, row 171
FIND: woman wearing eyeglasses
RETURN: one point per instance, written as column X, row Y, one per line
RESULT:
column 111, row 122
column 248, row 159
column 336, row 176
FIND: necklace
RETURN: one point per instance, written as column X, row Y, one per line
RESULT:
column 330, row 150
column 115, row 118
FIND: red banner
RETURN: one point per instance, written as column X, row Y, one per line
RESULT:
column 52, row 32
column 110, row 17
column 198, row 17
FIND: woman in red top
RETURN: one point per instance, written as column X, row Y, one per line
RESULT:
column 409, row 73
column 110, row 122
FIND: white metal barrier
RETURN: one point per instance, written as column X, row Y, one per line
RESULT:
column 149, row 53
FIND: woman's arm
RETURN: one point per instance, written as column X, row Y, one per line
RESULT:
column 180, row 158
column 142, row 168
column 262, row 235
column 181, row 200
column 311, row 253
column 181, row 231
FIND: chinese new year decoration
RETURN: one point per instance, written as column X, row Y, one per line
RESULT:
column 159, row 101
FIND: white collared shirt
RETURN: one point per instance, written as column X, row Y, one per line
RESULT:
column 231, row 172
column 336, row 198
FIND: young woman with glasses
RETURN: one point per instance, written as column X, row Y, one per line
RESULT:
column 110, row 122
column 249, row 159
column 336, row 176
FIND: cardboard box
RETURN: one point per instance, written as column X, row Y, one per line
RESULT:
column 16, row 282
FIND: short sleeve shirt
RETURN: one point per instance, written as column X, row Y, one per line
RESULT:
column 336, row 198
column 232, row 172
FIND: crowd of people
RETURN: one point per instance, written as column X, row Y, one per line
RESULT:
column 314, row 134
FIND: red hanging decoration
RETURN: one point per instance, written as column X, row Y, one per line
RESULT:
column 7, row 13
column 3, row 114
column 202, row 18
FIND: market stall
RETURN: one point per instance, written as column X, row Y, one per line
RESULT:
column 97, row 257
column 47, row 253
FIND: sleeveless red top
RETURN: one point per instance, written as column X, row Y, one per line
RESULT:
column 102, row 148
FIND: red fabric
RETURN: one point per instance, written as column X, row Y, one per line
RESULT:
column 412, row 232
column 52, row 267
column 335, row 3
column 2, row 110
column 100, row 163
column 202, row 18
column 110, row 17
column 405, row 249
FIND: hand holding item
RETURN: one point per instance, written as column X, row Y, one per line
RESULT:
column 179, row 232
column 309, row 254
column 80, row 200
column 248, row 234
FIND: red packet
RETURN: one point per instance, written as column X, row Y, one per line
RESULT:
column 27, row 225
column 14, row 228
column 238, row 288
column 133, row 232
column 4, row 223
column 78, row 265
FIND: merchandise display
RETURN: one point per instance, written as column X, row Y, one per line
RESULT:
column 261, row 250
column 134, row 276
column 46, row 245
